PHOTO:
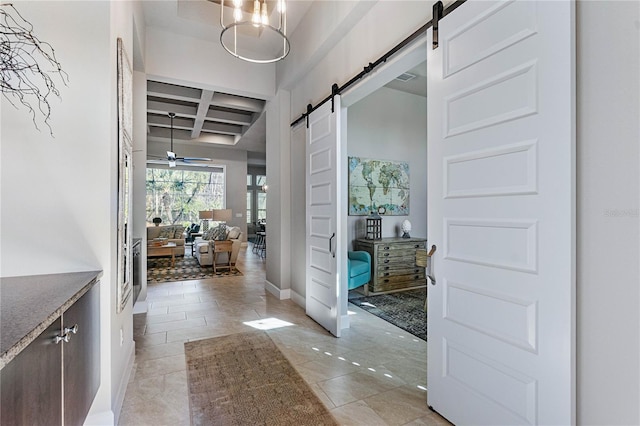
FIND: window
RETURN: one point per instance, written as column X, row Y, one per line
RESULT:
column 176, row 196
column 262, row 206
column 256, row 198
column 249, row 206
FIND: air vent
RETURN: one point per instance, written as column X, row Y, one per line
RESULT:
column 405, row 76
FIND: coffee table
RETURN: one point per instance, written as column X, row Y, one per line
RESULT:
column 165, row 250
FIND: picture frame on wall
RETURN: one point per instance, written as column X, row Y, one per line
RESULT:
column 125, row 152
column 378, row 186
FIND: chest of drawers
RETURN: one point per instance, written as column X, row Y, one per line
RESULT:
column 393, row 263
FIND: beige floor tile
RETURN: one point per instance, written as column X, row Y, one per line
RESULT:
column 156, row 319
column 175, row 325
column 340, row 371
column 357, row 413
column 348, row 388
column 400, row 405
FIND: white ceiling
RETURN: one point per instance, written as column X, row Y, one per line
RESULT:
column 220, row 119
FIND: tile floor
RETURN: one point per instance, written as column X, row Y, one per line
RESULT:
column 375, row 374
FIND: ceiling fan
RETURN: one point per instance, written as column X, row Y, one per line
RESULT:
column 172, row 158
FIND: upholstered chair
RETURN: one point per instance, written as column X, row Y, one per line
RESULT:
column 359, row 269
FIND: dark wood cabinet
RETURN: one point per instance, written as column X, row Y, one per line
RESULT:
column 30, row 385
column 81, row 357
column 54, row 372
column 393, row 263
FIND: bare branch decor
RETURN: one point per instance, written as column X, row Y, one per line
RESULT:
column 27, row 65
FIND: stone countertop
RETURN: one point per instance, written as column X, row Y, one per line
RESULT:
column 30, row 304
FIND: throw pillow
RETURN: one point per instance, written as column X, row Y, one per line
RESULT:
column 166, row 232
column 208, row 234
column 178, row 232
column 234, row 233
column 218, row 234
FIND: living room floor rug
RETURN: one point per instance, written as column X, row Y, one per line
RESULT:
column 159, row 270
column 404, row 309
column 244, row 379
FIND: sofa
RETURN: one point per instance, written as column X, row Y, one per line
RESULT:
column 173, row 233
column 202, row 248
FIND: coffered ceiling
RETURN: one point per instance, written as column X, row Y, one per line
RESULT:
column 215, row 118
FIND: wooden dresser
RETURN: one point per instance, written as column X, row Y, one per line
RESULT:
column 393, row 263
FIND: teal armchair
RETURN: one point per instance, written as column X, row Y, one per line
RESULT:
column 359, row 269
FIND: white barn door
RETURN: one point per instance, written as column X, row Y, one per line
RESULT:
column 323, row 252
column 501, row 172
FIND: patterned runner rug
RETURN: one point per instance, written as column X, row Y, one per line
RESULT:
column 159, row 270
column 244, row 379
column 404, row 309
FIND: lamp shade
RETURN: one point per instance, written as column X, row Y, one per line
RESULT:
column 221, row 215
column 205, row 214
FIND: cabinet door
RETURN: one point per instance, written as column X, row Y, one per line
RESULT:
column 30, row 385
column 82, row 357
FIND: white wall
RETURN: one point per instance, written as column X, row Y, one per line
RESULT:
column 381, row 26
column 608, row 135
column 209, row 65
column 139, row 187
column 63, row 190
column 391, row 125
column 278, row 199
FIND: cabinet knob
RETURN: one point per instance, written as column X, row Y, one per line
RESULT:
column 63, row 338
column 73, row 329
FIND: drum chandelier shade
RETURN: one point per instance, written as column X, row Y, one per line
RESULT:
column 241, row 26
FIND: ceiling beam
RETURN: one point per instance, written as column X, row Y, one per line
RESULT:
column 203, row 108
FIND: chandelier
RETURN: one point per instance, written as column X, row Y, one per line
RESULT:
column 249, row 24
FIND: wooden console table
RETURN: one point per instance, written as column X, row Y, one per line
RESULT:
column 393, row 263
column 221, row 246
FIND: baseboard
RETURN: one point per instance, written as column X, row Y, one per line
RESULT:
column 140, row 307
column 124, row 381
column 104, row 418
column 278, row 293
column 298, row 299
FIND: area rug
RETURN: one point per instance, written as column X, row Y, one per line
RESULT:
column 159, row 270
column 244, row 379
column 404, row 309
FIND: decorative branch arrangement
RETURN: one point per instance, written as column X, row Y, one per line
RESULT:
column 27, row 64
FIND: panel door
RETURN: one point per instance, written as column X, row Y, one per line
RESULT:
column 323, row 259
column 501, row 155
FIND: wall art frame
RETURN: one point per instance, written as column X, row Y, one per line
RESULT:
column 125, row 168
column 378, row 186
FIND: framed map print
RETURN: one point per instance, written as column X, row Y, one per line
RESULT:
column 378, row 186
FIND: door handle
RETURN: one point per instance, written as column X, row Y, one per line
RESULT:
column 430, row 257
column 330, row 249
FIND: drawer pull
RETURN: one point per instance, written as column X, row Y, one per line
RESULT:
column 386, row 261
column 386, row 281
column 386, row 247
column 386, row 254
column 386, row 274
column 73, row 329
column 63, row 338
column 416, row 246
column 386, row 268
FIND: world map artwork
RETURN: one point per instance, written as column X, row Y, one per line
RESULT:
column 378, row 186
